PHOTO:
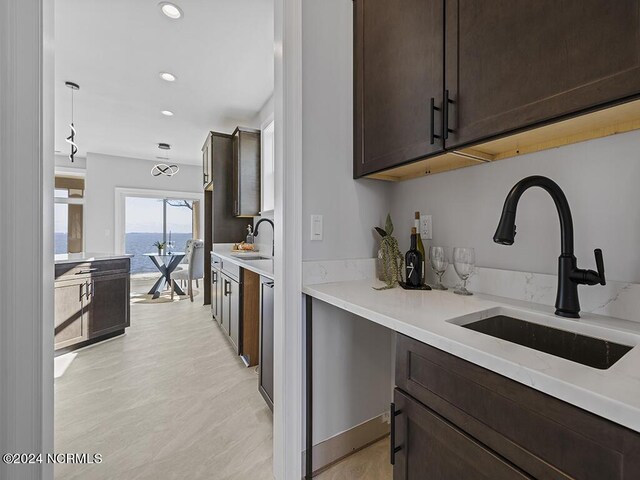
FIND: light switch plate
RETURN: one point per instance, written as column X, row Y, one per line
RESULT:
column 316, row 227
column 426, row 227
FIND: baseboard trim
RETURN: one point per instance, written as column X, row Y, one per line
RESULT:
column 336, row 448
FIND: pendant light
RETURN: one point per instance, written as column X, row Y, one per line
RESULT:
column 71, row 138
column 166, row 169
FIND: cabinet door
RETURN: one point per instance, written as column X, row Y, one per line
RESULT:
column 430, row 447
column 220, row 297
column 109, row 305
column 234, row 313
column 215, row 307
column 514, row 64
column 399, row 69
column 246, row 172
column 266, row 341
column 70, row 308
column 225, row 322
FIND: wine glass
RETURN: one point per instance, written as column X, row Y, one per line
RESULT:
column 439, row 263
column 464, row 260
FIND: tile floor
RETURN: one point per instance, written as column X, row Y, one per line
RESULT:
column 170, row 400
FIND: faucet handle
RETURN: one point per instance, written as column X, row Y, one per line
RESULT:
column 600, row 265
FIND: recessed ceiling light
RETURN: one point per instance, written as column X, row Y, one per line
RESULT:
column 170, row 10
column 164, row 146
column 169, row 77
column 167, row 113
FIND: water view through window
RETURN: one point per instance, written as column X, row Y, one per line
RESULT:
column 150, row 220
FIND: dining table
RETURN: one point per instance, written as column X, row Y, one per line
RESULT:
column 166, row 263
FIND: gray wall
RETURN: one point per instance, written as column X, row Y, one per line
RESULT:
column 352, row 357
column 599, row 177
column 105, row 173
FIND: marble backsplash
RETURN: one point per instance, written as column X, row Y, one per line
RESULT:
column 615, row 299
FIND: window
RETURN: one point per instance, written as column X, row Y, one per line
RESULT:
column 268, row 167
column 150, row 220
column 69, row 214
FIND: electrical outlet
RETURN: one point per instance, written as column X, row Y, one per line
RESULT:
column 426, row 227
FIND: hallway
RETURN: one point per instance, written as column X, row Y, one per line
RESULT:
column 169, row 400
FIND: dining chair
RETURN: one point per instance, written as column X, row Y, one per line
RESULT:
column 194, row 270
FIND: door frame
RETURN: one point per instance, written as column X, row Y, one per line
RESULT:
column 288, row 419
column 26, row 231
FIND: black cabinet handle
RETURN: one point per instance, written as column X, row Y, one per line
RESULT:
column 82, row 285
column 268, row 284
column 432, row 132
column 214, row 276
column 393, row 449
column 227, row 284
column 445, row 115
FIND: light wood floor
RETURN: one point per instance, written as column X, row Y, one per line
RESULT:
column 170, row 400
column 371, row 463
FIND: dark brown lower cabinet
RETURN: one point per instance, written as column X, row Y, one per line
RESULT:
column 431, row 447
column 216, row 294
column 91, row 302
column 107, row 312
column 456, row 420
column 231, row 310
column 265, row 383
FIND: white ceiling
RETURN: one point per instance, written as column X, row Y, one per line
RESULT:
column 221, row 52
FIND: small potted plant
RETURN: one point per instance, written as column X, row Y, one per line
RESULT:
column 390, row 258
column 160, row 246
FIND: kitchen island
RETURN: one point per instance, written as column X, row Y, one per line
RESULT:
column 91, row 298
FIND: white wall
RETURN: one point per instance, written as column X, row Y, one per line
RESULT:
column 350, row 208
column 599, row 178
column 63, row 163
column 105, row 173
column 265, row 240
column 352, row 360
column 351, row 370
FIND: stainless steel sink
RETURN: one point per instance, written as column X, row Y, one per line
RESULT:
column 581, row 348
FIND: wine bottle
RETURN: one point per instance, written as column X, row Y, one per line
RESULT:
column 420, row 245
column 413, row 263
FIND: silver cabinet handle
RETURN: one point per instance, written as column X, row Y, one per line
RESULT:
column 88, row 270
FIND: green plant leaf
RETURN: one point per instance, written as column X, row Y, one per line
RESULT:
column 389, row 225
column 381, row 232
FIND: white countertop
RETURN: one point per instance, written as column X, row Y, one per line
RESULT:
column 88, row 257
column 434, row 317
column 260, row 266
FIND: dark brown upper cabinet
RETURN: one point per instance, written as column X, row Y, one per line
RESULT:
column 512, row 65
column 496, row 70
column 399, row 68
column 246, row 172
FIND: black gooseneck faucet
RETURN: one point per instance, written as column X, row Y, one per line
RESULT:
column 569, row 275
column 255, row 233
